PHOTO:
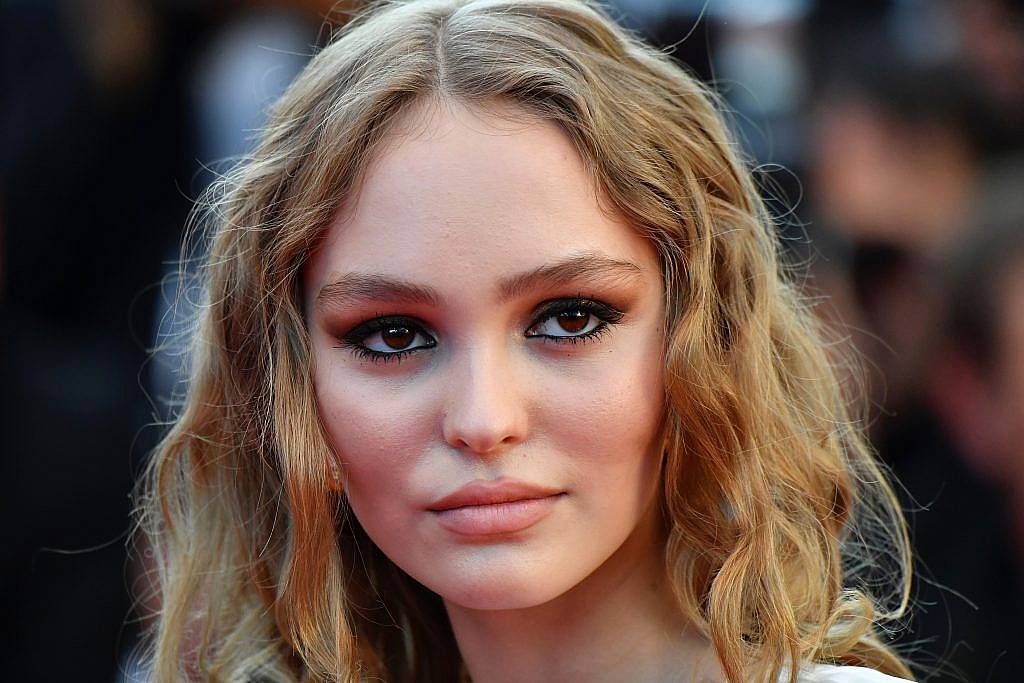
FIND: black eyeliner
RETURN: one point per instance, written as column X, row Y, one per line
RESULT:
column 353, row 338
column 365, row 329
column 607, row 313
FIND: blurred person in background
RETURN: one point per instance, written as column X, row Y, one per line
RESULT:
column 978, row 385
column 912, row 149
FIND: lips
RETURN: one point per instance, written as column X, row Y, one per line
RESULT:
column 482, row 492
column 483, row 508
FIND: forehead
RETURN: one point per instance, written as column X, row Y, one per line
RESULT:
column 471, row 194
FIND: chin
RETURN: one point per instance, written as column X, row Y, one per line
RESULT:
column 504, row 596
column 502, row 587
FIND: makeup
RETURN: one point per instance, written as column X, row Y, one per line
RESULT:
column 483, row 508
column 488, row 363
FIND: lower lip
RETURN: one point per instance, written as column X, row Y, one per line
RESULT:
column 497, row 518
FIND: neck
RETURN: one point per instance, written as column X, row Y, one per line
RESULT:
column 620, row 623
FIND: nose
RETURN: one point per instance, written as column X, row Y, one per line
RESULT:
column 484, row 409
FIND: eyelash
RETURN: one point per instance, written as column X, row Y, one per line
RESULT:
column 607, row 315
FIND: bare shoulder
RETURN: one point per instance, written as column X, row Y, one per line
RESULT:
column 826, row 673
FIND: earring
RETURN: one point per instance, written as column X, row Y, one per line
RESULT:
column 334, row 473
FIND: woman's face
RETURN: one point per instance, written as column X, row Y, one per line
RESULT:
column 488, row 359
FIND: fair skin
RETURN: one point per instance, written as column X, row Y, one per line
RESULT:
column 466, row 205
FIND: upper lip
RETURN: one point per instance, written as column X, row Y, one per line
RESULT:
column 490, row 492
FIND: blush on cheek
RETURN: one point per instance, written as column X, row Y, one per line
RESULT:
column 616, row 407
column 370, row 457
column 377, row 433
column 365, row 418
column 363, row 442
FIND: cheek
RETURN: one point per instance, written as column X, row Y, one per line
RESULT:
column 376, row 431
column 609, row 416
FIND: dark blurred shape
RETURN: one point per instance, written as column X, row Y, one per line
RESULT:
column 992, row 45
column 100, row 161
column 93, row 160
column 979, row 386
column 909, row 147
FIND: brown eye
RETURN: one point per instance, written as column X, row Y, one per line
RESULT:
column 397, row 336
column 573, row 321
column 383, row 339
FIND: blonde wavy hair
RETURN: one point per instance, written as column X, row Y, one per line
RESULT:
column 784, row 542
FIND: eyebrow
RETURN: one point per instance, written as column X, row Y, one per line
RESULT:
column 354, row 288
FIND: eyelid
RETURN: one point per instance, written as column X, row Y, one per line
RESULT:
column 379, row 322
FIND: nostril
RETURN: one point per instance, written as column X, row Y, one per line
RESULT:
column 483, row 437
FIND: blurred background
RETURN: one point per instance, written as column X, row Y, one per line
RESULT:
column 888, row 138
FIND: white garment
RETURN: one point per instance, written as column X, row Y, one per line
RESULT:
column 826, row 673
